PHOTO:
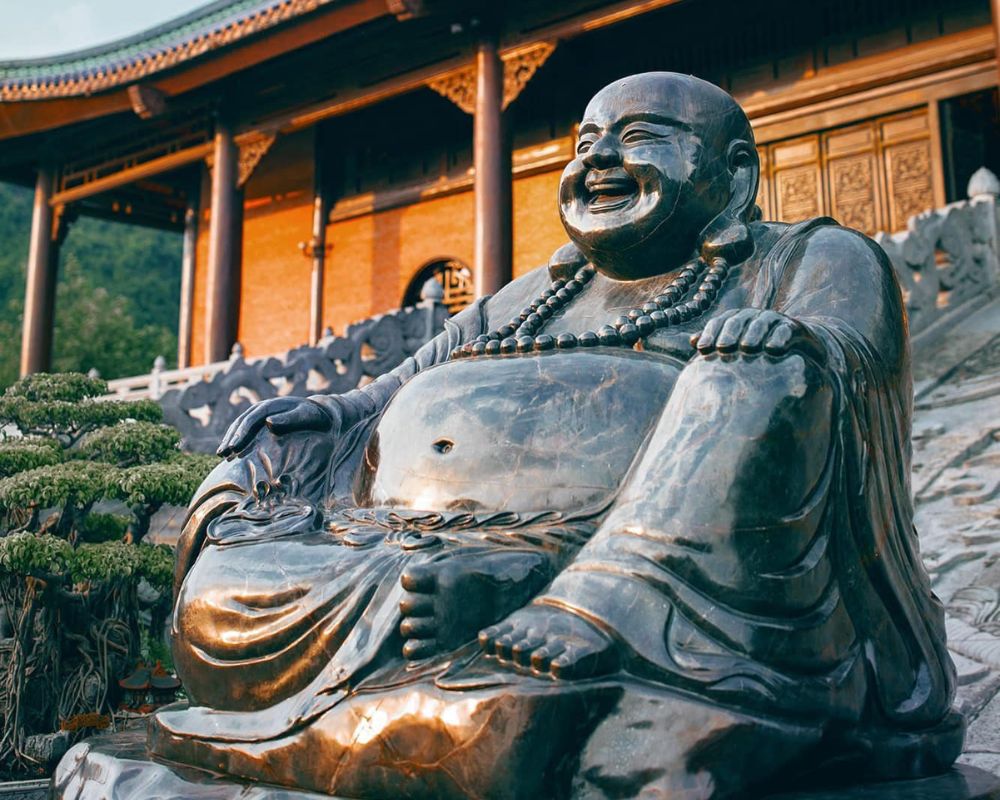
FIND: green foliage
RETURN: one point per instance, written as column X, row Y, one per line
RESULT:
column 172, row 482
column 156, row 565
column 133, row 318
column 71, row 483
column 96, row 527
column 20, row 455
column 31, row 554
column 60, row 416
column 130, row 443
column 67, row 386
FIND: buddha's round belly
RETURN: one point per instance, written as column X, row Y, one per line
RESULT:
column 524, row 433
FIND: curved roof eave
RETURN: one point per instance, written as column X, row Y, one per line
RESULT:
column 213, row 27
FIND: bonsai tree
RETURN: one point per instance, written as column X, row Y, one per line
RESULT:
column 70, row 576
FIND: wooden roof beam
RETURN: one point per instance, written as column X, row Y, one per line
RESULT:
column 155, row 166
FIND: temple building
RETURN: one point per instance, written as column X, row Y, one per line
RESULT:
column 324, row 158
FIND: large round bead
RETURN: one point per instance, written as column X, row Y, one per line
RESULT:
column 525, row 344
column 482, row 338
column 633, row 314
column 554, row 303
column 508, row 345
column 492, row 347
column 565, row 341
column 557, row 285
column 479, row 348
column 629, row 334
column 546, row 294
column 659, row 318
column 505, row 331
column 621, row 320
column 584, row 274
column 544, row 312
column 533, row 321
column 526, row 312
column 565, row 295
column 588, row 339
column 608, row 336
column 544, row 342
column 573, row 286
column 645, row 325
column 702, row 300
column 649, row 308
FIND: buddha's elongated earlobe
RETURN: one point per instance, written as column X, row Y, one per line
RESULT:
column 728, row 235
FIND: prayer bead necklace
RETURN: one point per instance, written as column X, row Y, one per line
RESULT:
column 523, row 333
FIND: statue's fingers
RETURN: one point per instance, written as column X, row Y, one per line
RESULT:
column 705, row 341
column 503, row 645
column 779, row 339
column 304, row 417
column 732, row 329
column 242, row 431
column 416, row 649
column 753, row 337
column 418, row 628
column 416, row 605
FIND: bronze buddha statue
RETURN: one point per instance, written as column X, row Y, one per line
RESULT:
column 637, row 525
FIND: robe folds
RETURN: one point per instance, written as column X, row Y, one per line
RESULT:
column 820, row 612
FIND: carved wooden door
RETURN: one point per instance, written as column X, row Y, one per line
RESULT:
column 872, row 176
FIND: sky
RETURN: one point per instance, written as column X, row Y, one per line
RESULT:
column 35, row 28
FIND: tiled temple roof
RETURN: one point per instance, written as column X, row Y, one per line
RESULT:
column 204, row 30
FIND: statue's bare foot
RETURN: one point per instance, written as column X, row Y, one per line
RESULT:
column 552, row 641
column 448, row 598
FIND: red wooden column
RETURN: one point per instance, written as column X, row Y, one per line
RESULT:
column 492, row 158
column 223, row 300
column 995, row 4
column 188, row 265
column 40, row 291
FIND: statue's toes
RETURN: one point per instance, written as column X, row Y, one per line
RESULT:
column 581, row 660
column 417, row 649
column 488, row 636
column 523, row 651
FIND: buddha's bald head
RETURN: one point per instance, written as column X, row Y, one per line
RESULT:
column 657, row 160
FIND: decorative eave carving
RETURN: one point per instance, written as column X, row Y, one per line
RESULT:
column 252, row 148
column 147, row 101
column 406, row 9
column 519, row 66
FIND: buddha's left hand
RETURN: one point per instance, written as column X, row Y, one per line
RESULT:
column 752, row 330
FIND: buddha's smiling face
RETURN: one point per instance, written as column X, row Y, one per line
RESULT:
column 636, row 184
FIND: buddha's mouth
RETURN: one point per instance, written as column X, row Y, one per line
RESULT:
column 610, row 192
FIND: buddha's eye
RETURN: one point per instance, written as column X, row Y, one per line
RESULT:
column 640, row 135
column 584, row 145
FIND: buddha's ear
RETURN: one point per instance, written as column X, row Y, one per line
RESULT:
column 727, row 235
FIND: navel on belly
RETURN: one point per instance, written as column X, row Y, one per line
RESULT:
column 554, row 431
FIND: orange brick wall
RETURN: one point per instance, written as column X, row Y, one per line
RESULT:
column 372, row 258
column 277, row 215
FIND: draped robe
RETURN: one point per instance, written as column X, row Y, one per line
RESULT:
column 818, row 613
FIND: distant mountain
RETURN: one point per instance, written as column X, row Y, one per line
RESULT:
column 117, row 298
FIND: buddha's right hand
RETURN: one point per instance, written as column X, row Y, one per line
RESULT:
column 281, row 415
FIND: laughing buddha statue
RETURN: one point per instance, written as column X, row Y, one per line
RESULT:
column 637, row 525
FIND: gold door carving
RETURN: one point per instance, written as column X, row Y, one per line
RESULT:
column 872, row 176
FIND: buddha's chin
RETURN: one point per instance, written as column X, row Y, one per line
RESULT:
column 608, row 224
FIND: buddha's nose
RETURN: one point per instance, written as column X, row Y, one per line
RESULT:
column 602, row 154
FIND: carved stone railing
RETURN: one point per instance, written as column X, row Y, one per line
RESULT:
column 204, row 409
column 947, row 259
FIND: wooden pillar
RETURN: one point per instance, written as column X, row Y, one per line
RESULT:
column 40, row 291
column 188, row 256
column 317, row 245
column 492, row 156
column 995, row 5
column 223, row 249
